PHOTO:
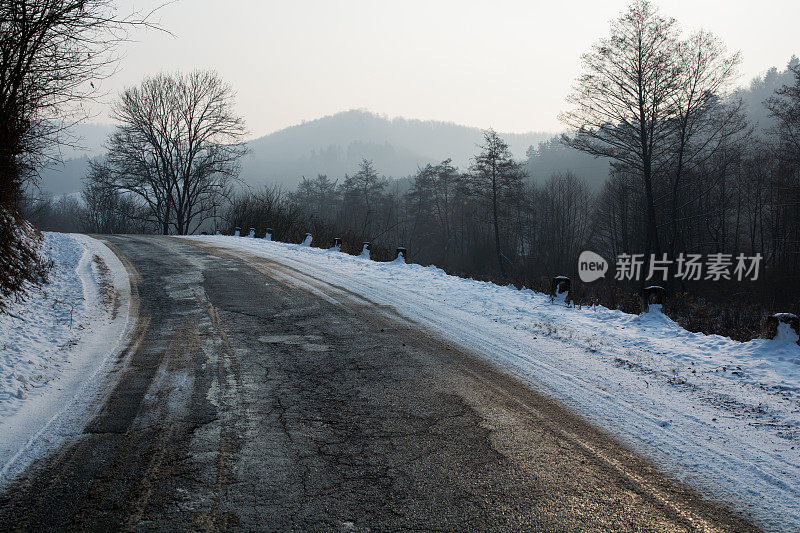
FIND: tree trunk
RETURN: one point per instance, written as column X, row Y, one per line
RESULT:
column 497, row 229
column 653, row 245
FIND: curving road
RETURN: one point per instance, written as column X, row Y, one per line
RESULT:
column 255, row 397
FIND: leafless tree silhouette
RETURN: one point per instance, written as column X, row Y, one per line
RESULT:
column 178, row 147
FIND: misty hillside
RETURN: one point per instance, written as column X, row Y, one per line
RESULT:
column 335, row 144
column 81, row 143
column 332, row 145
column 86, row 140
column 552, row 157
column 760, row 89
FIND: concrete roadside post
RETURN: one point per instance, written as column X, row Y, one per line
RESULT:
column 782, row 326
column 560, row 287
column 653, row 296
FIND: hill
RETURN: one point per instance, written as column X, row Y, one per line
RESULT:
column 334, row 145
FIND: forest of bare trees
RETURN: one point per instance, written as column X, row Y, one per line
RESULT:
column 51, row 54
column 691, row 172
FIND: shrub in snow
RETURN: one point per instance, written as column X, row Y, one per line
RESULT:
column 307, row 240
column 268, row 236
column 252, row 233
column 237, row 232
column 22, row 263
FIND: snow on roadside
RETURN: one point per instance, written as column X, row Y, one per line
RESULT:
column 36, row 334
column 56, row 347
column 721, row 415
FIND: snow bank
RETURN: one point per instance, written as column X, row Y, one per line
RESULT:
column 721, row 415
column 56, row 347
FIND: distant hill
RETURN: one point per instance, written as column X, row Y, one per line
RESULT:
column 761, row 88
column 335, row 144
column 85, row 141
column 332, row 145
column 65, row 178
column 552, row 157
column 89, row 139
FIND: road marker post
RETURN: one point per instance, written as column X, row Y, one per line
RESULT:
column 653, row 296
column 782, row 326
column 365, row 250
column 560, row 287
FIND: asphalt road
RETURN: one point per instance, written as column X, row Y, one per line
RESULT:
column 254, row 397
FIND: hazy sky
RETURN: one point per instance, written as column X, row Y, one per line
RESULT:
column 508, row 65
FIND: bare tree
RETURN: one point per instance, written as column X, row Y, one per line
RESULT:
column 52, row 52
column 178, row 147
column 784, row 106
column 107, row 210
column 318, row 197
column 361, row 193
column 495, row 176
column 706, row 119
column 624, row 102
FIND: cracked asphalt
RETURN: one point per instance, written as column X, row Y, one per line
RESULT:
column 255, row 397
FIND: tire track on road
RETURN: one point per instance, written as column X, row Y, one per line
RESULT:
column 592, row 443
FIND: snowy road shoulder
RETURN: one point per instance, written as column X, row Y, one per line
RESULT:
column 57, row 348
column 720, row 415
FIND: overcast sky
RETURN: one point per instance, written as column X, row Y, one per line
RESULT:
column 508, row 65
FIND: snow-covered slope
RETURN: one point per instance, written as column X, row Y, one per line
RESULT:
column 721, row 415
column 56, row 347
